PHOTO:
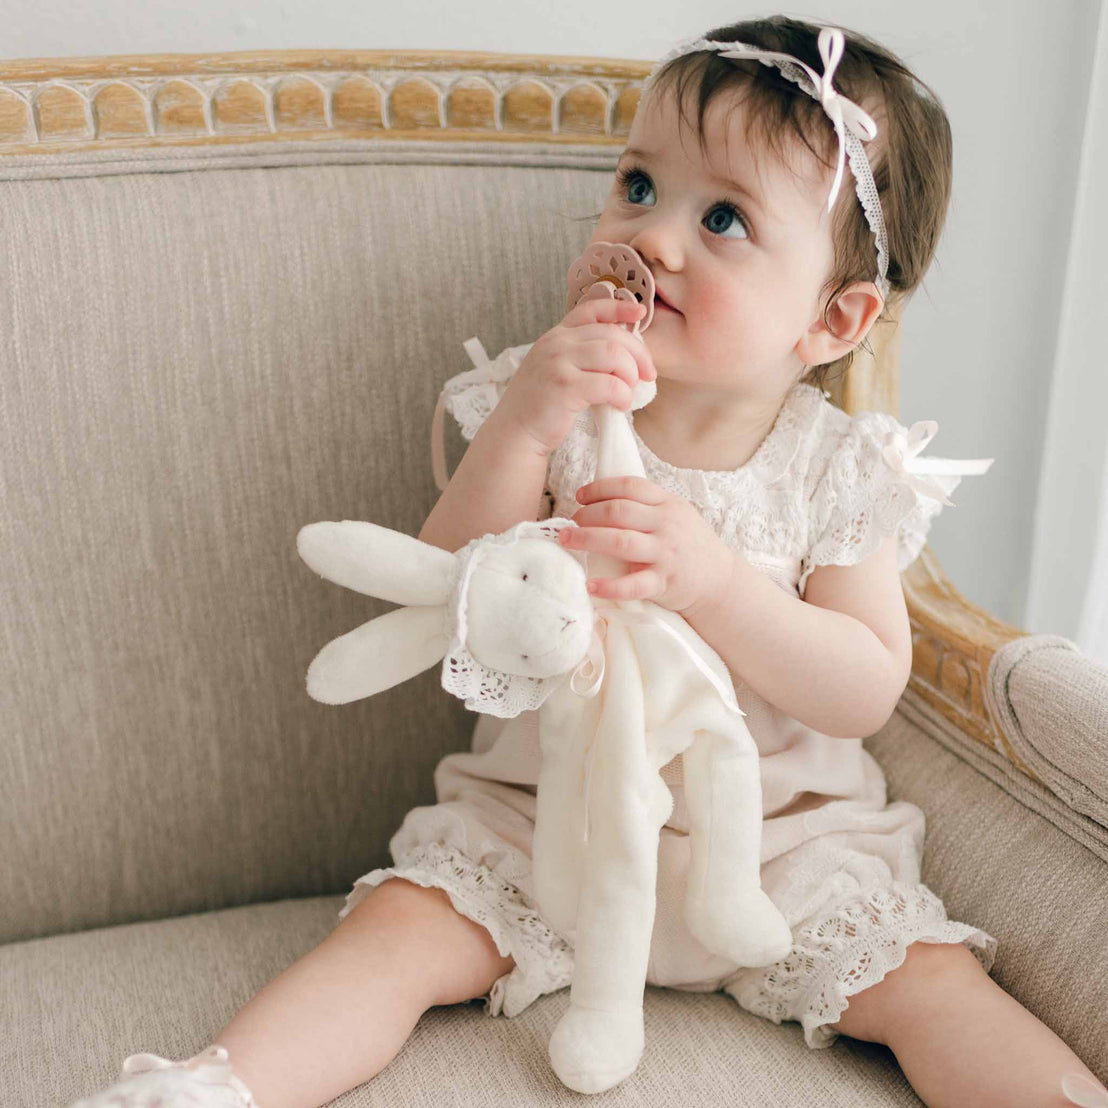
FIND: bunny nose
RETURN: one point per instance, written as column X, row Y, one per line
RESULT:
column 569, row 620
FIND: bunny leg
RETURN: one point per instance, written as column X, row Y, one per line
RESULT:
column 599, row 1040
column 725, row 905
column 566, row 724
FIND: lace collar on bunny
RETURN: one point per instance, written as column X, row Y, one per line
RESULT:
column 487, row 690
column 497, row 693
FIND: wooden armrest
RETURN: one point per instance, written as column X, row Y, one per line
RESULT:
column 953, row 642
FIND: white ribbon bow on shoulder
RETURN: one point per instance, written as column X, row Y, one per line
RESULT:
column 902, row 453
column 486, row 371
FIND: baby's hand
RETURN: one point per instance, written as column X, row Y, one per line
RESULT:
column 589, row 358
column 677, row 559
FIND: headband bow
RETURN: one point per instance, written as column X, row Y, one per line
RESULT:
column 852, row 125
column 843, row 112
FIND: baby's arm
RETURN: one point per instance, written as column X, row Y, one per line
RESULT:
column 836, row 661
column 498, row 483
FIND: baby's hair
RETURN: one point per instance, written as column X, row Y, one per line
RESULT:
column 911, row 158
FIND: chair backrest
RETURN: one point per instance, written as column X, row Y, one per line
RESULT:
column 230, row 292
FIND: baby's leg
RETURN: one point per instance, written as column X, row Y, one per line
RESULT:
column 338, row 1016
column 959, row 1037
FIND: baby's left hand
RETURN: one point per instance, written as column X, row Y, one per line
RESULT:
column 677, row 560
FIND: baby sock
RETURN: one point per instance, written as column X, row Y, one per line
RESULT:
column 203, row 1081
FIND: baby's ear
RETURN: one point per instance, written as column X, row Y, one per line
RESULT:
column 852, row 314
column 377, row 561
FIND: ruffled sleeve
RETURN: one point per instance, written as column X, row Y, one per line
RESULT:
column 876, row 485
column 470, row 397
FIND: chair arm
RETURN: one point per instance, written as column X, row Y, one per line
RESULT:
column 1036, row 700
column 953, row 644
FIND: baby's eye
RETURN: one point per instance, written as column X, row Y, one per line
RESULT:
column 628, row 179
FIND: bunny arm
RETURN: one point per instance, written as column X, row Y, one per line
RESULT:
column 725, row 905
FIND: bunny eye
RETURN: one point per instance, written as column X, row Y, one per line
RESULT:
column 524, row 657
column 525, row 578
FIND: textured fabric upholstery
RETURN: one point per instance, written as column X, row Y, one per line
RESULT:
column 199, row 362
column 80, row 1003
column 1052, row 703
column 207, row 348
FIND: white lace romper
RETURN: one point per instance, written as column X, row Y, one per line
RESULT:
column 841, row 864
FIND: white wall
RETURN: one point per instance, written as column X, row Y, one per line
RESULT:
column 979, row 342
column 1069, row 559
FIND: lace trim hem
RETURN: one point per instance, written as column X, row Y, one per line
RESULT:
column 544, row 960
column 839, row 954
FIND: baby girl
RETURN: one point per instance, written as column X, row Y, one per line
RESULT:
column 776, row 524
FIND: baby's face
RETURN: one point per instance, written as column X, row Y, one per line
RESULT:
column 745, row 279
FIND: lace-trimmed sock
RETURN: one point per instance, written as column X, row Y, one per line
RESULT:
column 202, row 1081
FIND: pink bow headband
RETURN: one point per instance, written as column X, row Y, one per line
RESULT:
column 851, row 123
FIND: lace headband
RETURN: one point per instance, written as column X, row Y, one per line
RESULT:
column 852, row 124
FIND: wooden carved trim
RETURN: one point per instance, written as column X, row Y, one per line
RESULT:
column 65, row 104
column 953, row 642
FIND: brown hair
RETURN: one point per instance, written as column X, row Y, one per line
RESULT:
column 911, row 158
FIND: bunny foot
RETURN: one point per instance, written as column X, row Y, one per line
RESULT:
column 743, row 925
column 591, row 1050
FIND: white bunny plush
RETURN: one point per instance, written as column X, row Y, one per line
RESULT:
column 621, row 687
column 508, row 613
column 511, row 619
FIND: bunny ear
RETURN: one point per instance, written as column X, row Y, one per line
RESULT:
column 377, row 561
column 379, row 654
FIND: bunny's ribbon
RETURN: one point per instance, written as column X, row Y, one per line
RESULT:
column 587, row 678
column 902, row 453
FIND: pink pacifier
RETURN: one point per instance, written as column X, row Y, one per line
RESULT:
column 614, row 271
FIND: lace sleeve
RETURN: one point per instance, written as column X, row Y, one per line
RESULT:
column 471, row 396
column 868, row 492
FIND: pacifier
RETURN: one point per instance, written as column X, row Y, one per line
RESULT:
column 615, row 271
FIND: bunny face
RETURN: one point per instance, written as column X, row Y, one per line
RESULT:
column 528, row 610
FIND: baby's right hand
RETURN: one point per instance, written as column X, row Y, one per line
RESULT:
column 588, row 358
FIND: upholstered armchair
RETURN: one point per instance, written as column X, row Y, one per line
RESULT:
column 230, row 290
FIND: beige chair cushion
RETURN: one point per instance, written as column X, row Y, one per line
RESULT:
column 170, row 986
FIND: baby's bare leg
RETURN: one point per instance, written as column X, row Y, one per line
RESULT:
column 959, row 1037
column 338, row 1016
